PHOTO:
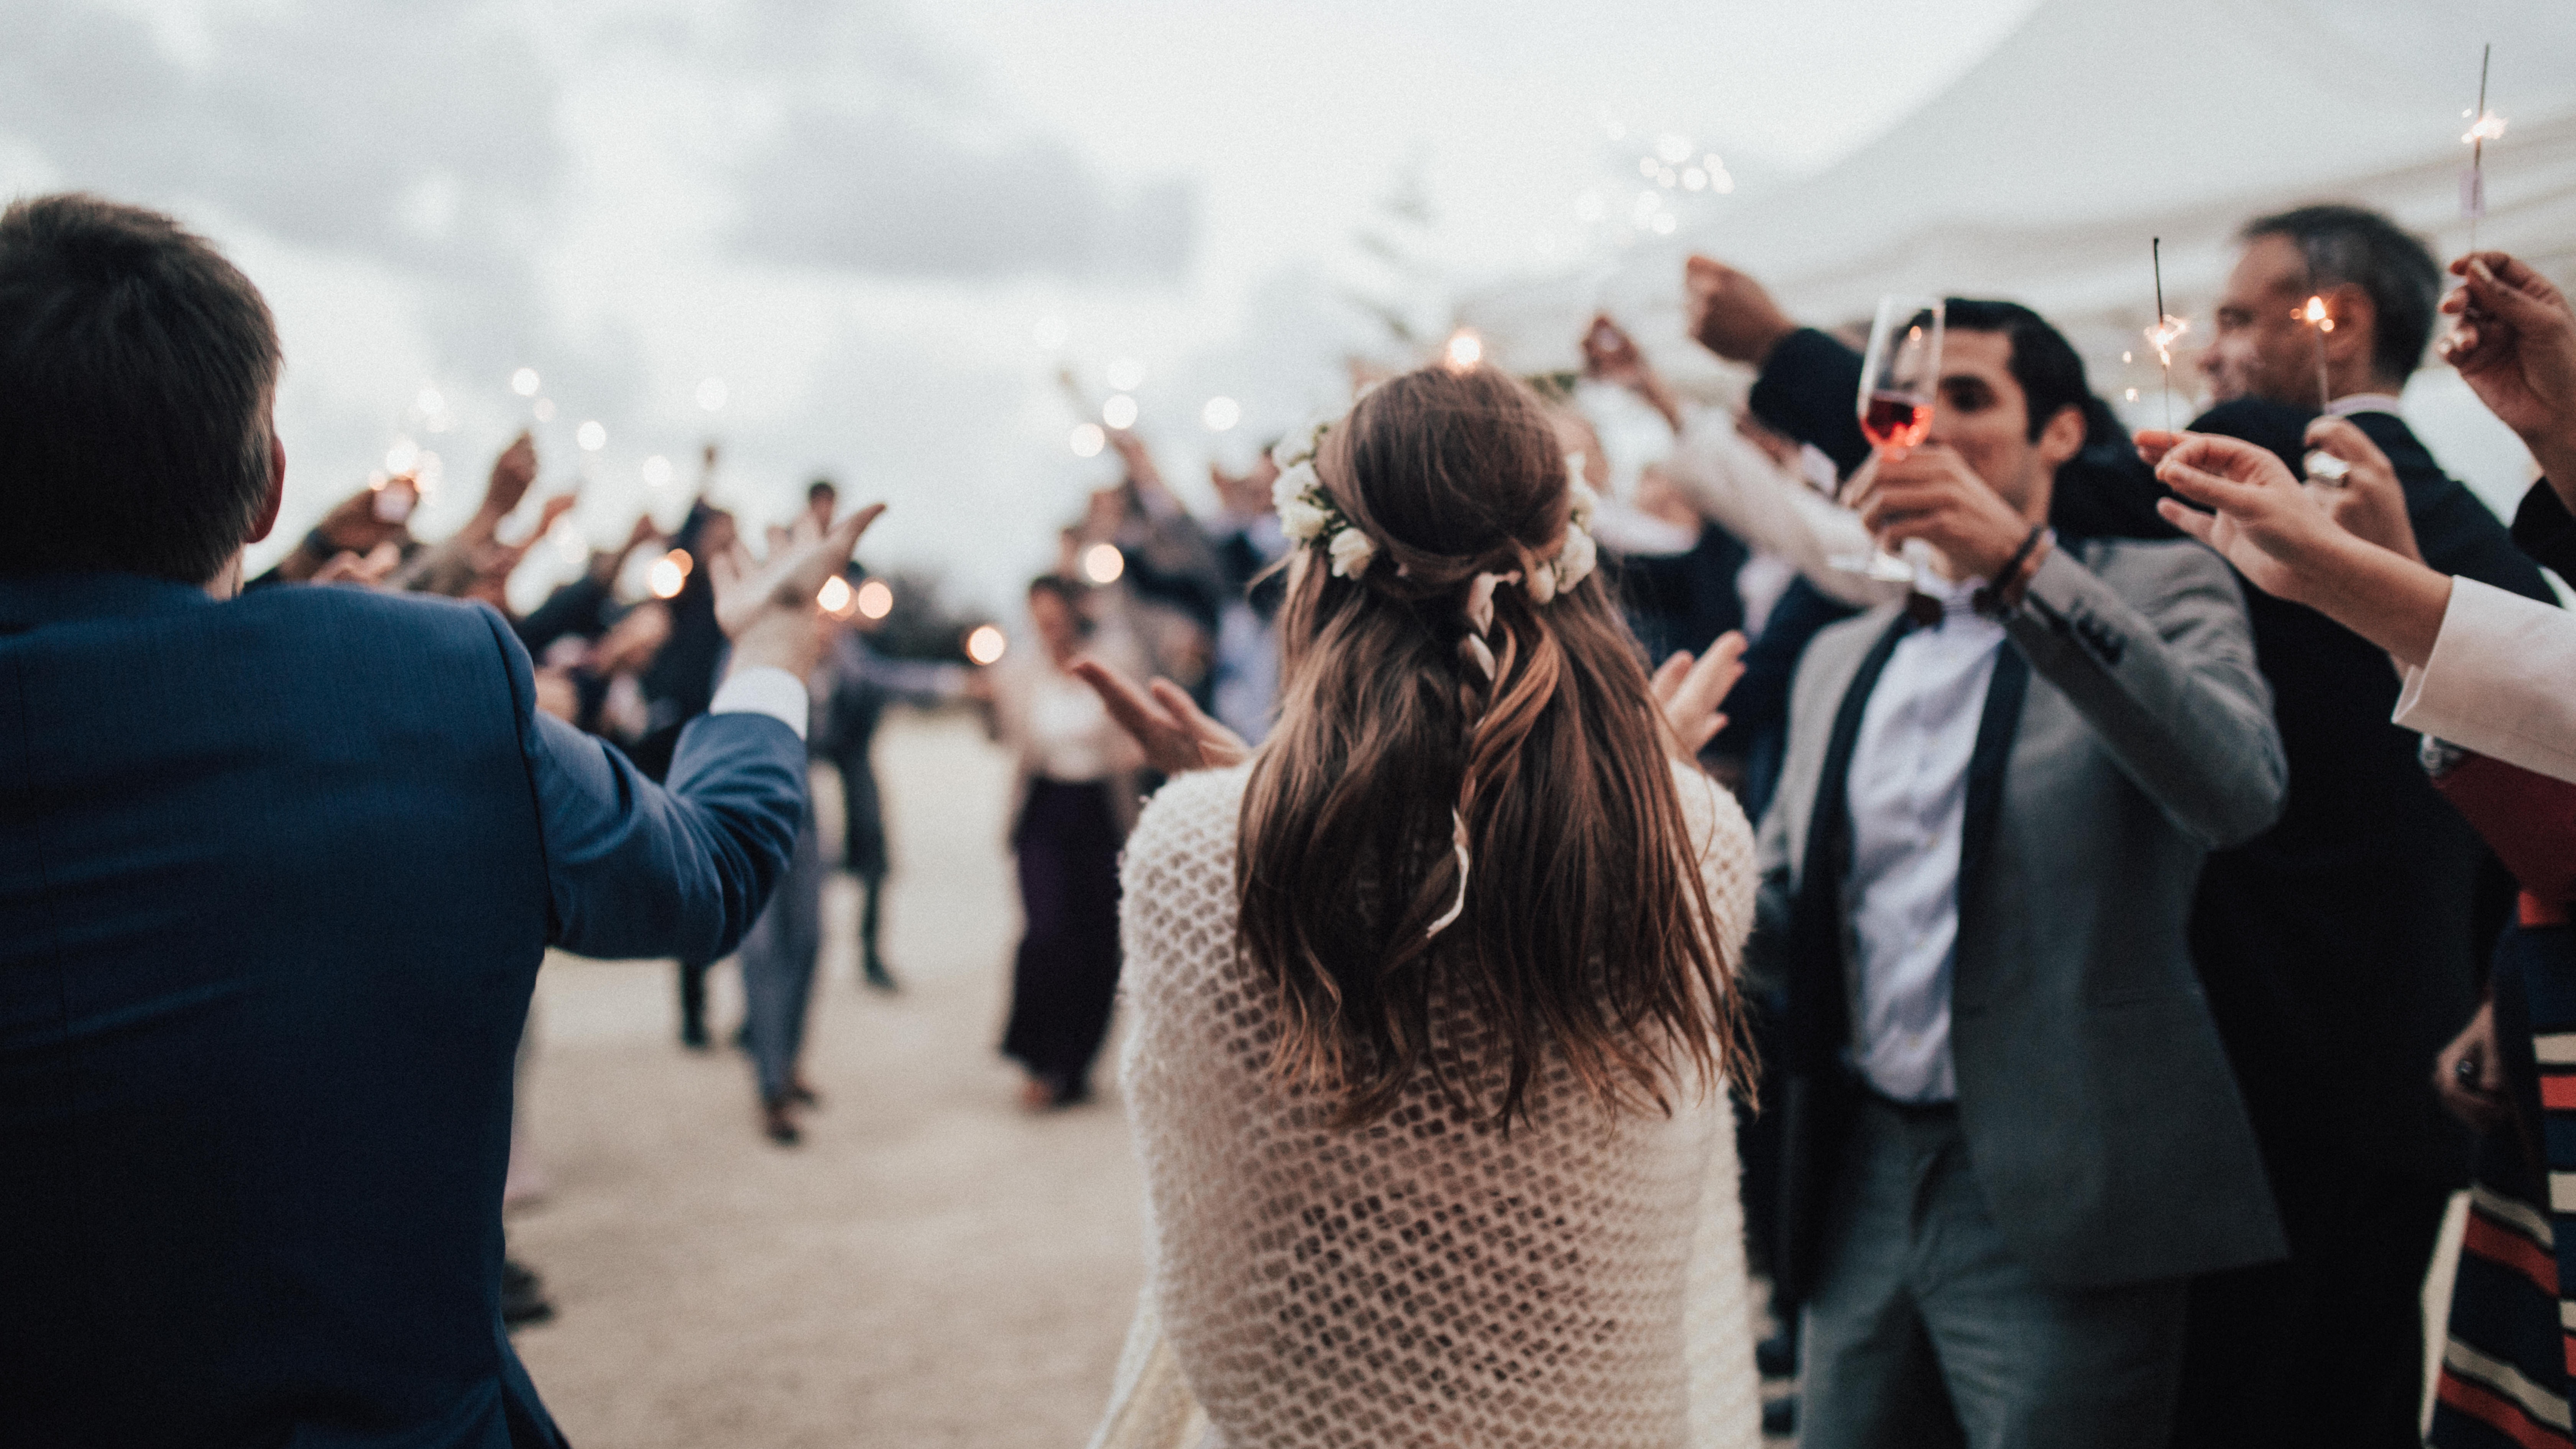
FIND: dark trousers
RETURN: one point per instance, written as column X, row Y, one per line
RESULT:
column 2327, row 1347
column 1066, row 974
column 778, row 959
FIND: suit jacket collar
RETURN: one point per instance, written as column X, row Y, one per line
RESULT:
column 28, row 600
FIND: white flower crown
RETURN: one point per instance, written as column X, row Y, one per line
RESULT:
column 1308, row 514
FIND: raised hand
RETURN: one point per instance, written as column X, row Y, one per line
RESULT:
column 512, row 472
column 1689, row 691
column 1611, row 355
column 1731, row 314
column 1175, row 734
column 2515, row 346
column 1932, row 494
column 767, row 606
column 2263, row 521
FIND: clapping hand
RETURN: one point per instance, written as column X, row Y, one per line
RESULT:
column 1176, row 735
column 767, row 606
column 1689, row 691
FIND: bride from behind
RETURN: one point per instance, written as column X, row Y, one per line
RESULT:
column 1433, row 1012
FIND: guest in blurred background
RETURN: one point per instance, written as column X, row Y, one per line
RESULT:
column 1076, row 799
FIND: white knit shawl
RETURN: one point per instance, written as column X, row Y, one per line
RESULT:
column 1423, row 1280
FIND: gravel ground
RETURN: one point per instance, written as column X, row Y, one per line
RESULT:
column 931, row 1266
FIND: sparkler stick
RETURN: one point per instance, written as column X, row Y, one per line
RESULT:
column 2485, row 127
column 2315, row 315
column 2168, row 328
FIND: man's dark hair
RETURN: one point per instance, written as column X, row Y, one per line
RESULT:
column 136, row 372
column 821, row 488
column 2043, row 362
column 2354, row 246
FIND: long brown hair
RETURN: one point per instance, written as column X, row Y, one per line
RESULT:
column 1586, row 931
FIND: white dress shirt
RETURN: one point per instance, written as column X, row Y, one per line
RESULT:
column 2501, row 681
column 764, row 689
column 1908, row 791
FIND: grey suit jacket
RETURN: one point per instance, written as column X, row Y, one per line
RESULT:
column 2103, row 1127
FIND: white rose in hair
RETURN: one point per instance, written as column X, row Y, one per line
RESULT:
column 1351, row 552
column 1293, row 496
column 1574, row 564
column 1586, row 503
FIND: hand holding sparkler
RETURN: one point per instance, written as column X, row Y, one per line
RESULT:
column 2362, row 492
column 2515, row 346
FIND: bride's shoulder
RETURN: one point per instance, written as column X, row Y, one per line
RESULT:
column 1189, row 822
column 1717, row 823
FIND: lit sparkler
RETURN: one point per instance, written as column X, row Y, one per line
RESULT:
column 2484, row 126
column 2168, row 329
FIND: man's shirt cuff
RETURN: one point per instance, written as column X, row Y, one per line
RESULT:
column 767, row 690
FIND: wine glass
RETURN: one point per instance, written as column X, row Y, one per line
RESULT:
column 1900, row 378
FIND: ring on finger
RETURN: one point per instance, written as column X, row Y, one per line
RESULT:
column 2324, row 467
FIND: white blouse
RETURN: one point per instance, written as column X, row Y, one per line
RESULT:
column 2501, row 682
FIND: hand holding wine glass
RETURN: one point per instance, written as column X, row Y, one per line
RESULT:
column 1900, row 379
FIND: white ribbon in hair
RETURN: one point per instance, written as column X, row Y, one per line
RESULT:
column 1479, row 612
column 1457, row 908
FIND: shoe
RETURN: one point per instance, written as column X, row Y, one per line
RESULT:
column 1780, row 1417
column 523, row 1296
column 1777, row 1356
column 876, row 977
column 693, row 1034
column 778, row 1125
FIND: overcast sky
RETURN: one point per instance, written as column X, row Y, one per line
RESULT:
column 885, row 225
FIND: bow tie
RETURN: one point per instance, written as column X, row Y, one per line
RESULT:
column 1923, row 609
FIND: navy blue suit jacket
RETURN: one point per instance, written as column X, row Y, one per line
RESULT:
column 275, row 878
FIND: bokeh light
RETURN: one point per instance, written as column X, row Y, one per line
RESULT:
column 712, row 393
column 1102, row 563
column 657, row 471
column 835, row 597
column 876, row 599
column 593, row 436
column 669, row 573
column 1126, row 374
column 1088, row 440
column 1465, row 349
column 987, row 644
column 1221, row 413
column 525, row 382
column 1119, row 411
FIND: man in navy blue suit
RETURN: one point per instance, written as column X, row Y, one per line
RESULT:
column 275, row 876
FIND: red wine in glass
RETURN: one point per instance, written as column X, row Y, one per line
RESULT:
column 1895, row 420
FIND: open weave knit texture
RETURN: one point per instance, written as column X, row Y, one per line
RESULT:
column 1577, row 1283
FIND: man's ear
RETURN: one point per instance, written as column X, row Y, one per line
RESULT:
column 2063, row 438
column 267, row 517
column 2356, row 328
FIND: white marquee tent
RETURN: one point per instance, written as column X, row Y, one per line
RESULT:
column 2043, row 171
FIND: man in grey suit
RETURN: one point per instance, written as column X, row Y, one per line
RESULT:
column 2012, row 1131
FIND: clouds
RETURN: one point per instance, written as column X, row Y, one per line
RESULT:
column 899, row 188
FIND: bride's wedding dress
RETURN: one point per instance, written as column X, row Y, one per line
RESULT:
column 1424, row 1279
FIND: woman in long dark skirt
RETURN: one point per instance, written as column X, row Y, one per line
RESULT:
column 1077, row 798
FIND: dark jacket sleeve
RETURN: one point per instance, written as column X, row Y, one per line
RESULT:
column 2454, row 530
column 1810, row 390
column 638, row 869
column 572, row 609
column 2544, row 532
